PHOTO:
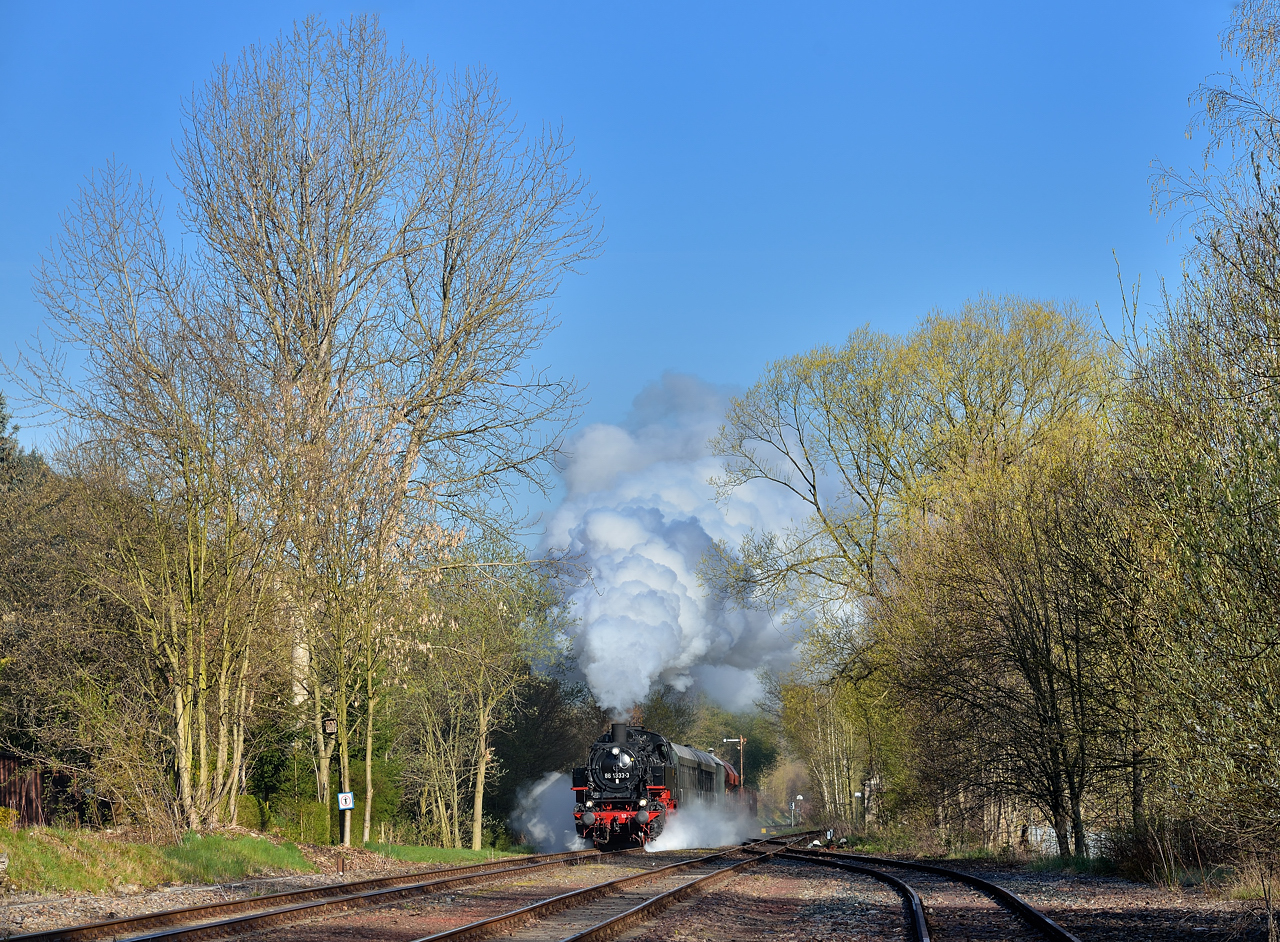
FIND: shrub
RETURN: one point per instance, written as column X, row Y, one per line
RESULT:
column 251, row 813
column 305, row 821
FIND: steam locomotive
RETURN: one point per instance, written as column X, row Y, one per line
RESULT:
column 636, row 780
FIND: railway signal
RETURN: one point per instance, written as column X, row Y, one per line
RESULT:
column 793, row 810
column 742, row 767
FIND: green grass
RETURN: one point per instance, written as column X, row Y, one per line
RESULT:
column 217, row 859
column 413, row 853
column 53, row 860
column 1238, row 886
column 47, row 859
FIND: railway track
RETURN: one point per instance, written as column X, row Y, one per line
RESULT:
column 592, row 913
column 221, row 920
column 674, row 882
column 628, row 908
column 608, row 909
column 880, row 868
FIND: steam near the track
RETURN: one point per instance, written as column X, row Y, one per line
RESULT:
column 697, row 825
column 544, row 815
column 640, row 513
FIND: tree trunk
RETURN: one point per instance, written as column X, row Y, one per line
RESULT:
column 1075, row 796
column 344, row 769
column 1138, row 798
column 368, row 767
column 456, row 822
column 202, row 720
column 1077, row 828
column 324, row 751
column 477, row 808
column 1062, row 831
column 238, row 777
column 223, row 775
column 1058, row 805
column 183, row 737
column 446, row 825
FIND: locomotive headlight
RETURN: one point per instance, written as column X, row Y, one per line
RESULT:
column 643, row 802
column 616, row 750
column 589, row 804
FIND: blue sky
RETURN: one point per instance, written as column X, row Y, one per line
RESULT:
column 770, row 176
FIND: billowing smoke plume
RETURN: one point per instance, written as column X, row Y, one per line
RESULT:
column 544, row 815
column 639, row 511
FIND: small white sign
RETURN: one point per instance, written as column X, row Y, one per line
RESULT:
column 346, row 801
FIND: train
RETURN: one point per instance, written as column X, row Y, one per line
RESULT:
column 636, row 781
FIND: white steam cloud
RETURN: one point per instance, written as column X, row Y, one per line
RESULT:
column 544, row 815
column 640, row 513
column 699, row 825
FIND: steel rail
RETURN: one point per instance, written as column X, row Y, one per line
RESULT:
column 917, row 925
column 650, row 908
column 192, row 922
column 1007, row 898
column 547, row 907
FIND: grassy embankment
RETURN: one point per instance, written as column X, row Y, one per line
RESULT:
column 54, row 860
column 51, row 860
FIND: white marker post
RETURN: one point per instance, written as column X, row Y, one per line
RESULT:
column 346, row 801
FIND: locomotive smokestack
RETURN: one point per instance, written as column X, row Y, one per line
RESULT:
column 619, row 733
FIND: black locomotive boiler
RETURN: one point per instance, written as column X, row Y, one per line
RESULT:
column 635, row 781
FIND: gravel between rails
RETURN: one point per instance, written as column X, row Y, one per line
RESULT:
column 785, row 900
column 775, row 901
column 570, row 922
column 958, row 913
column 1096, row 909
column 424, row 916
column 30, row 912
column 1113, row 909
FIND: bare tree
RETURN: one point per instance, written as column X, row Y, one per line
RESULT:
column 372, row 258
column 151, row 433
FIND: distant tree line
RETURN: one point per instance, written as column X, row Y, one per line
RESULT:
column 1041, row 566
